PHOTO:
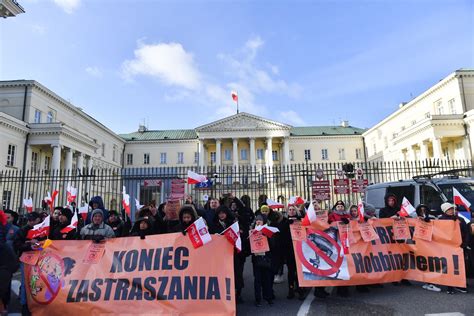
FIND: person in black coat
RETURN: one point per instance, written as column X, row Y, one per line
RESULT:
column 187, row 216
column 8, row 266
column 391, row 208
column 65, row 217
column 222, row 220
column 144, row 226
column 115, row 223
column 54, row 219
column 450, row 214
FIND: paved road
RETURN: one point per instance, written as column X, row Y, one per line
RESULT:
column 390, row 300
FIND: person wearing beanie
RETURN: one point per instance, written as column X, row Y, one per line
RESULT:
column 65, row 217
column 97, row 230
column 339, row 213
column 450, row 214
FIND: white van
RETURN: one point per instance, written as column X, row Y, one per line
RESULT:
column 432, row 192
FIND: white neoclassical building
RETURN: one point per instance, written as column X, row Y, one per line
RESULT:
column 42, row 131
column 243, row 140
column 438, row 123
column 10, row 8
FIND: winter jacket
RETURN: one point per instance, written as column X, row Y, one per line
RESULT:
column 11, row 230
column 136, row 231
column 217, row 226
column 117, row 227
column 337, row 217
column 20, row 243
column 388, row 211
column 58, row 235
column 92, row 231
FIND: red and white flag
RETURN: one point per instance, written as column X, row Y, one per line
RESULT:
column 199, row 233
column 194, row 178
column 84, row 210
column 71, row 226
column 310, row 216
column 295, row 200
column 235, row 96
column 268, row 231
column 71, row 193
column 273, row 204
column 232, row 233
column 50, row 199
column 406, row 209
column 360, row 211
column 138, row 205
column 39, row 230
column 126, row 201
column 460, row 200
column 28, row 204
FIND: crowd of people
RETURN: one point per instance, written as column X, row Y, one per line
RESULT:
column 219, row 214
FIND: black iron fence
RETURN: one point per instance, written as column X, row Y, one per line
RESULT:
column 278, row 182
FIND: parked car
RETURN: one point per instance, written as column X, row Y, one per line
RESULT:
column 430, row 191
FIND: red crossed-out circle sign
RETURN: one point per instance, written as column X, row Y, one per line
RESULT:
column 335, row 265
column 42, row 274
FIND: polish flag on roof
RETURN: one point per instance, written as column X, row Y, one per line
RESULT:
column 235, row 96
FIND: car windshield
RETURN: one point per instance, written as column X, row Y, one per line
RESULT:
column 465, row 188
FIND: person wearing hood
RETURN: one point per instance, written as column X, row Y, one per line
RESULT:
column 187, row 216
column 116, row 223
column 54, row 219
column 10, row 227
column 339, row 213
column 450, row 214
column 391, row 208
column 97, row 203
column 97, row 230
column 144, row 226
column 222, row 220
column 65, row 217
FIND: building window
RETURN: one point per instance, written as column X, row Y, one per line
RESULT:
column 6, row 199
column 413, row 122
column 260, row 154
column 307, row 154
column 274, row 155
column 130, row 159
column 292, row 155
column 146, row 159
column 438, row 105
column 163, row 158
column 196, row 157
column 180, row 157
column 34, row 161
column 227, row 154
column 11, row 155
column 114, row 154
column 50, row 117
column 427, row 115
column 213, row 156
column 375, row 148
column 243, row 154
column 385, row 142
column 452, row 106
column 342, row 154
column 358, row 153
column 47, row 163
column 37, row 116
column 103, row 149
column 324, row 154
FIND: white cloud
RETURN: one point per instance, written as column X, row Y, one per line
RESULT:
column 168, row 62
column 69, row 6
column 292, row 118
column 94, row 71
column 40, row 29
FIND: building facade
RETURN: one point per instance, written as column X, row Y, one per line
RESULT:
column 436, row 124
column 10, row 8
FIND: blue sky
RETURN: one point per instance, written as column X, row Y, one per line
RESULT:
column 174, row 63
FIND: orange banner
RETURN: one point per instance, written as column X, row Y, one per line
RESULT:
column 162, row 274
column 321, row 260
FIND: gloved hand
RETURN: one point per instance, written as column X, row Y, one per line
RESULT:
column 98, row 239
column 427, row 219
column 291, row 221
column 345, row 220
column 184, row 232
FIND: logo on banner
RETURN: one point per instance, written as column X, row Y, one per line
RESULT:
column 322, row 256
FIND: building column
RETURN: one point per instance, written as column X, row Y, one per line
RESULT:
column 252, row 152
column 269, row 159
column 286, row 151
column 80, row 162
column 56, row 160
column 437, row 149
column 218, row 152
column 424, row 154
column 68, row 160
column 90, row 164
column 28, row 154
column 465, row 146
column 201, row 153
column 235, row 153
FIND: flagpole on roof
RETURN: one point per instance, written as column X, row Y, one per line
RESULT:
column 237, row 105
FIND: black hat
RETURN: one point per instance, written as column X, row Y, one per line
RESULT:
column 32, row 216
column 67, row 212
